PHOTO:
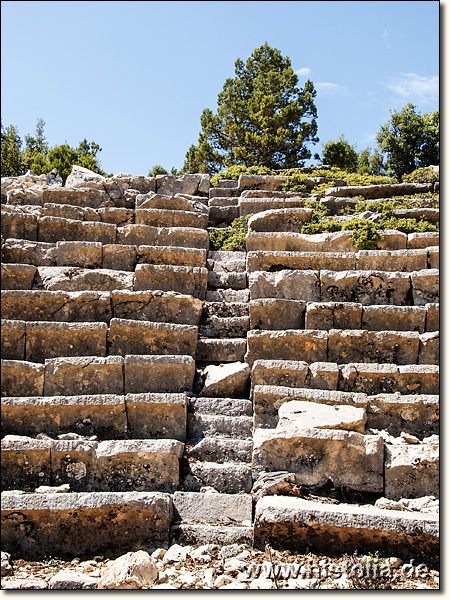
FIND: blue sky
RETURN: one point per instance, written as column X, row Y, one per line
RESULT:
column 135, row 76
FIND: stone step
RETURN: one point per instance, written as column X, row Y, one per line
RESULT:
column 92, row 375
column 364, row 260
column 423, row 240
column 17, row 277
column 411, row 470
column 228, row 183
column 213, row 509
column 319, row 242
column 254, row 205
column 228, row 295
column 337, row 529
column 16, row 223
column 185, row 237
column 85, row 524
column 54, row 229
column 280, row 220
column 82, row 196
column 221, row 406
column 222, row 450
column 156, row 217
column 184, row 280
column 141, row 416
column 187, row 534
column 344, row 346
column 226, row 478
column 45, row 305
column 223, row 210
column 414, row 414
column 387, row 190
column 176, row 203
column 172, row 255
column 224, row 327
column 228, row 280
column 40, row 254
column 91, row 466
column 110, row 214
column 215, row 350
column 78, row 279
column 202, row 425
column 224, row 192
column 260, row 182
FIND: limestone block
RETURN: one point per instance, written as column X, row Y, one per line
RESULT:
column 385, row 190
column 184, row 280
column 308, row 415
column 392, row 240
column 84, row 525
column 25, row 463
column 423, row 240
column 43, row 305
column 226, row 478
column 429, row 348
column 288, row 285
column 226, row 380
column 53, row 229
column 369, row 378
column 226, row 509
column 292, row 344
column 222, row 450
column 221, row 350
column 396, row 347
column 266, row 260
column 189, row 534
column 27, row 196
column 227, row 260
column 18, row 225
column 139, row 337
column 46, row 339
column 323, row 376
column 119, row 257
column 232, row 280
column 166, row 307
column 425, row 286
column 156, row 217
column 224, row 327
column 425, row 213
column 253, row 205
column 79, row 254
column 432, row 317
column 102, row 415
column 366, row 287
column 22, row 378
column 277, row 313
column 165, row 374
column 227, row 296
column 415, row 414
column 166, row 202
column 117, row 216
column 335, row 205
column 83, row 376
column 66, row 211
column 221, row 406
column 17, row 277
column 433, row 257
column 29, row 253
column 279, row 373
column 192, row 184
column 77, row 279
column 344, row 528
column 72, row 580
column 224, row 193
column 391, row 260
column 400, row 318
column 136, row 183
column 225, row 212
column 157, row 415
column 418, row 379
column 348, row 457
column 333, row 315
column 300, row 242
column 144, row 235
column 172, row 255
column 132, row 571
column 411, row 470
column 73, row 461
column 260, row 182
column 79, row 196
column 13, row 339
column 205, row 425
column 282, row 219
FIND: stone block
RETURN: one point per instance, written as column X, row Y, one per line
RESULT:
column 67, row 211
column 156, row 217
column 205, row 425
column 292, row 344
column 222, row 450
column 254, row 205
column 333, row 315
column 266, row 260
column 414, row 414
column 184, row 280
column 141, row 337
column 166, row 307
column 13, row 339
column 433, row 258
column 87, row 375
column 29, row 253
column 300, row 242
column 86, row 524
column 79, row 254
column 395, row 347
column 116, row 216
column 18, row 225
column 166, row 202
column 22, row 378
column 192, row 184
column 288, row 285
column 54, row 229
column 17, row 277
column 144, row 235
column 366, row 287
column 25, row 463
column 432, row 317
column 227, row 295
column 226, row 380
column 424, row 213
column 260, row 182
column 423, row 240
column 277, row 313
column 288, row 373
column 291, row 523
column 157, row 416
column 391, row 260
column 119, row 257
column 411, row 470
column 224, row 327
column 223, row 213
column 369, row 378
column 165, row 374
column 221, row 406
column 77, row 279
column 80, row 196
column 199, row 534
column 323, row 376
column 102, row 415
column 172, row 255
column 221, row 350
column 46, row 339
column 226, row 478
column 300, row 414
column 425, row 286
column 28, row 196
column 392, row 240
column 223, row 509
column 429, row 348
column 399, row 318
column 384, row 190
column 282, row 219
column 232, row 280
column 418, row 379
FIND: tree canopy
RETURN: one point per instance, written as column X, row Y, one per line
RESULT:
column 340, row 153
column 263, row 118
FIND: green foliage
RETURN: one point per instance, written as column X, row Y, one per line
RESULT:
column 321, row 223
column 231, row 238
column 410, row 140
column 341, row 154
column 369, row 572
column 36, row 149
column 424, row 175
column 157, row 170
column 262, row 118
column 234, row 171
column 365, row 234
column 11, row 154
column 370, row 163
column 296, row 181
column 407, row 225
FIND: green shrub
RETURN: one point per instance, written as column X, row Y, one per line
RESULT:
column 365, row 235
column 406, row 225
column 320, row 222
column 231, row 238
column 424, row 175
column 296, row 181
column 234, row 171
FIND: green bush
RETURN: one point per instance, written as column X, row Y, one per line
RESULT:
column 406, row 225
column 232, row 238
column 320, row 222
column 234, row 171
column 424, row 175
column 296, row 181
column 365, row 234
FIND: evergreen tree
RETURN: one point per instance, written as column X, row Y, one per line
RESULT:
column 340, row 153
column 11, row 152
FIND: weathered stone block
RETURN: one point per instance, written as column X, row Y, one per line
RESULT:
column 291, row 344
column 333, row 315
column 400, row 318
column 195, row 183
column 184, row 280
column 17, row 277
column 18, row 225
column 225, row 478
column 53, row 229
column 369, row 378
column 45, row 339
column 277, row 313
column 117, row 216
column 166, row 307
column 144, row 235
column 13, row 339
column 414, row 414
column 264, row 260
column 282, row 219
column 198, row 534
column 119, row 257
column 226, row 509
column 22, row 378
column 77, row 279
column 157, row 416
column 232, row 280
column 253, row 205
column 206, row 425
column 433, row 258
column 29, row 253
column 165, row 374
column 429, row 348
column 418, row 379
column 166, row 202
column 384, row 190
column 139, row 337
column 83, row 376
column 226, row 380
column 366, row 287
column 222, row 450
column 300, row 242
column 423, row 240
column 411, row 470
column 172, row 255
column 79, row 254
column 279, row 373
column 156, row 217
column 221, row 406
column 432, row 317
column 289, row 285
column 312, row 415
column 260, row 182
column 323, row 376
column 67, row 211
column 425, row 286
column 391, row 260
column 25, row 463
column 80, row 196
column 221, row 350
column 395, row 347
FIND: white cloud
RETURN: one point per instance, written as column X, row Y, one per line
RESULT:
column 413, row 87
column 327, row 88
column 303, row 72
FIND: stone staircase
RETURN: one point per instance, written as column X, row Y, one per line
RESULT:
column 157, row 380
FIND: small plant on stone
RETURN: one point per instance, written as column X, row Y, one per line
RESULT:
column 232, row 238
column 369, row 573
column 365, row 235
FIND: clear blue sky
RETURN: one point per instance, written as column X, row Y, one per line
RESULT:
column 135, row 76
